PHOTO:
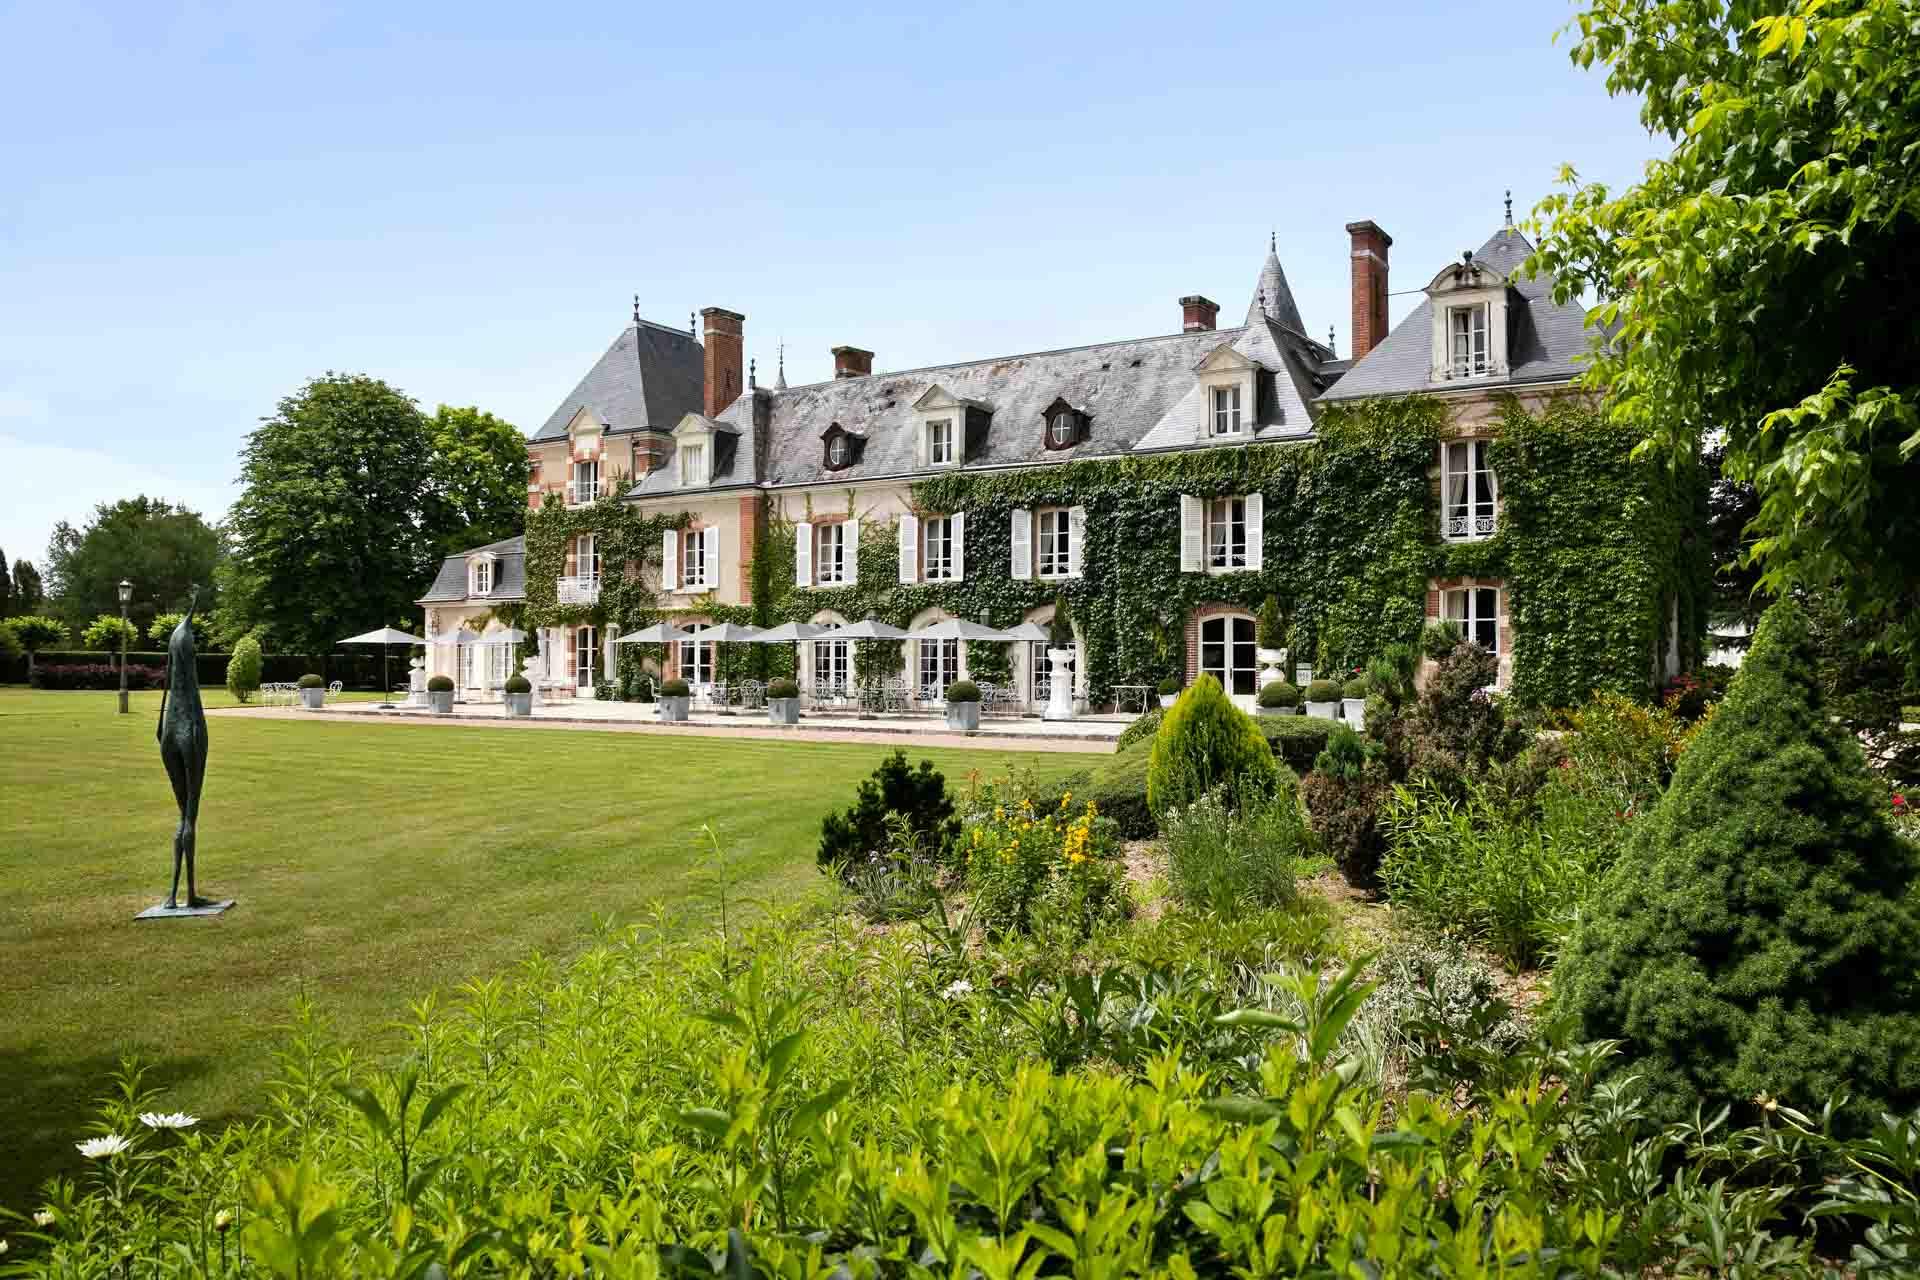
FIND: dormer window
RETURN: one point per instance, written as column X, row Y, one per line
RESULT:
column 940, row 442
column 693, row 464
column 1060, row 431
column 1470, row 349
column 1226, row 411
column 480, row 579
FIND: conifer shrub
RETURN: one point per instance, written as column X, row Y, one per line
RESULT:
column 1756, row 937
column 1204, row 741
column 859, row 835
column 243, row 669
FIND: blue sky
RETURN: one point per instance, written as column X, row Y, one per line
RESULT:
column 203, row 205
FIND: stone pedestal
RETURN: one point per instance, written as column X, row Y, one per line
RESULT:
column 417, row 683
column 161, row 911
column 1060, row 698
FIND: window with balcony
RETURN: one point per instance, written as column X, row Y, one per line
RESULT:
column 940, row 564
column 1477, row 610
column 1468, row 490
column 693, row 559
column 940, row 450
column 585, row 485
column 1226, row 410
column 1469, row 347
column 1227, row 534
column 830, row 562
column 1055, row 537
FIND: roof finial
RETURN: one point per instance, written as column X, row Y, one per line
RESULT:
column 1273, row 241
column 692, row 328
column 1509, row 206
column 780, row 377
column 752, row 382
column 1330, row 347
column 636, row 308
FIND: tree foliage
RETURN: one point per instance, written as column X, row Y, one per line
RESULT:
column 36, row 632
column 6, row 586
column 479, row 489
column 160, row 630
column 109, row 633
column 28, row 593
column 161, row 547
column 1761, row 280
column 1756, row 936
column 243, row 669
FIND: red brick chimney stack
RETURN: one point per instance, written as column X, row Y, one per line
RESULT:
column 852, row 362
column 726, row 357
column 1370, row 245
column 1197, row 313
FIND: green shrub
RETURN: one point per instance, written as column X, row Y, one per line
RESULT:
column 109, row 633
column 1357, row 688
column 963, row 691
column 1230, row 857
column 1269, row 633
column 674, row 688
column 1140, row 730
column 1756, row 936
column 435, row 684
column 1205, row 741
column 1279, row 694
column 1440, row 638
column 860, row 833
column 1296, row 740
column 518, row 685
column 1170, row 686
column 9, row 646
column 1391, row 674
column 1322, row 690
column 243, row 669
column 605, row 691
column 312, row 681
column 782, row 688
column 1118, row 789
column 1060, row 626
column 1343, row 795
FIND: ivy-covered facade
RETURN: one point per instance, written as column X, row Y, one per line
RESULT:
column 1160, row 490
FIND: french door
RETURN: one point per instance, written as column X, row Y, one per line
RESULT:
column 1226, row 654
column 586, row 656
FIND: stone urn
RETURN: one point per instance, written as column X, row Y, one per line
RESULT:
column 1273, row 667
column 1060, row 699
column 417, row 683
column 783, row 711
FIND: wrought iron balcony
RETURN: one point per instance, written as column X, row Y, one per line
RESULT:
column 582, row 492
column 1464, row 525
column 577, row 590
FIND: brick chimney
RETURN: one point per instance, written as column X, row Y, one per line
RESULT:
column 726, row 357
column 852, row 362
column 1370, row 245
column 1197, row 313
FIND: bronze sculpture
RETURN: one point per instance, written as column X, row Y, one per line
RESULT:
column 182, row 733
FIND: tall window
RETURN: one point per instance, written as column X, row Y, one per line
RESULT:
column 1055, row 543
column 586, row 482
column 696, row 659
column 939, row 666
column 937, row 535
column 1226, row 652
column 483, row 577
column 1062, row 428
column 1227, row 533
column 830, row 554
column 940, row 443
column 832, row 664
column 693, row 464
column 586, row 655
column 1467, row 339
column 586, row 556
column 1477, row 610
column 499, row 664
column 1226, row 410
column 1468, row 485
column 693, row 558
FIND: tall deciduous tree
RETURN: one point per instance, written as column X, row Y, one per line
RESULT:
column 28, row 594
column 479, row 490
column 329, row 535
column 1763, row 279
column 161, row 547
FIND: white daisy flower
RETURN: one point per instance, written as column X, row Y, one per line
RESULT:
column 956, row 990
column 222, row 1220
column 100, row 1148
column 43, row 1218
column 168, row 1120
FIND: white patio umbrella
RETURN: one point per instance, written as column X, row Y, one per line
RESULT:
column 658, row 633
column 790, row 633
column 870, row 629
column 1029, row 632
column 961, row 629
column 726, row 633
column 383, row 637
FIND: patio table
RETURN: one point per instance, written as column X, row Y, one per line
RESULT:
column 1140, row 691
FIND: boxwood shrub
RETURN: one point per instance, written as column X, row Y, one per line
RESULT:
column 1280, row 693
column 963, row 691
column 1358, row 688
column 518, row 684
column 782, row 689
column 1296, row 740
column 1323, row 691
column 440, row 684
column 1118, row 789
column 312, row 681
column 674, row 688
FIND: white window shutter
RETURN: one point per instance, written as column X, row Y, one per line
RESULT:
column 1022, row 543
column 711, row 551
column 1192, row 534
column 803, row 554
column 1256, row 531
column 1076, row 540
column 670, row 560
column 958, row 524
column 909, row 547
column 853, row 550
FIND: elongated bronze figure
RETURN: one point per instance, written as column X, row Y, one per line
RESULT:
column 183, row 747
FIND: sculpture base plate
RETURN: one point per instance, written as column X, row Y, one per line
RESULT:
column 161, row 911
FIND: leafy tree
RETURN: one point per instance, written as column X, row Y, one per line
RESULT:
column 160, row 631
column 9, row 646
column 35, row 633
column 161, row 547
column 1756, row 936
column 1205, row 742
column 6, row 586
column 243, row 668
column 107, row 631
column 328, row 535
column 1760, row 281
column 28, row 594
column 479, row 492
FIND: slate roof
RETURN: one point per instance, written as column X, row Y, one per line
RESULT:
column 510, row 574
column 1542, row 344
column 649, row 377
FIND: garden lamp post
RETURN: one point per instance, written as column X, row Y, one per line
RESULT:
column 126, row 598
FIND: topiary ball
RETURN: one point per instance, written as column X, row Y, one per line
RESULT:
column 1280, row 694
column 1357, row 688
column 674, row 688
column 312, row 681
column 440, row 684
column 518, row 684
column 1170, row 686
column 963, row 691
column 1323, row 691
column 782, row 689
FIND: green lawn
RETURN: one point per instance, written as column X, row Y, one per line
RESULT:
column 373, row 863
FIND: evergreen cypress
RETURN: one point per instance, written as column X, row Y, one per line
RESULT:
column 1756, row 938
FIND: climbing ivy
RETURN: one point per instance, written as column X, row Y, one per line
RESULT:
column 624, row 537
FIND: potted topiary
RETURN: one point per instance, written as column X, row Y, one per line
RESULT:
column 963, row 705
column 1280, row 699
column 783, row 702
column 1060, row 654
column 1169, row 691
column 674, row 697
column 1270, row 639
column 519, row 697
column 313, row 691
column 440, row 695
column 1323, row 699
column 1353, row 700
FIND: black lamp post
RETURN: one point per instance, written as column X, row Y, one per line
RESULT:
column 126, row 598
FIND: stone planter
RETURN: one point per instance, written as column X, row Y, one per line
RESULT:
column 966, row 715
column 1168, row 699
column 1325, row 710
column 674, row 710
column 783, row 711
column 441, row 701
column 1060, row 699
column 519, row 705
column 1354, row 711
column 313, row 699
column 1279, row 711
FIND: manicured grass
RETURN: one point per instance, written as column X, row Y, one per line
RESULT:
column 373, row 863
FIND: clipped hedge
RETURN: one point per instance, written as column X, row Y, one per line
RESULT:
column 1296, row 740
column 360, row 670
column 1118, row 790
column 96, row 675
